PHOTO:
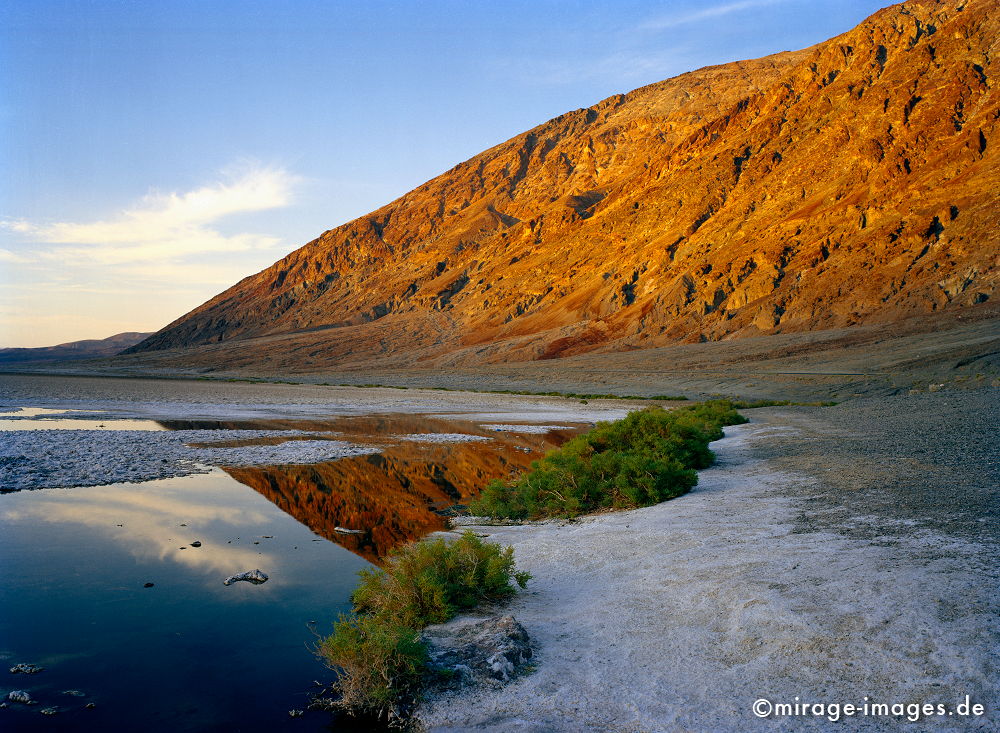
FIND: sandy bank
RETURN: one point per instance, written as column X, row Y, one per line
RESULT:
column 764, row 582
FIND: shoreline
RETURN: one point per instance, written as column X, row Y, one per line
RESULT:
column 766, row 581
column 831, row 553
column 837, row 364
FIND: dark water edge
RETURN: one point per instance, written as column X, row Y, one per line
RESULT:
column 188, row 654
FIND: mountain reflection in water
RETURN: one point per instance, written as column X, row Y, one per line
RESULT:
column 401, row 493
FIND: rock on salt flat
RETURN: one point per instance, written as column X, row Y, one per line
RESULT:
column 477, row 651
column 37, row 459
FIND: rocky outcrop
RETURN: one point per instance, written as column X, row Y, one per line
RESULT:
column 477, row 651
column 848, row 183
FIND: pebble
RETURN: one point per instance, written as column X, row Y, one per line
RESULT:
column 25, row 668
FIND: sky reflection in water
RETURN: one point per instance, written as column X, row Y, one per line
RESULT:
column 43, row 418
column 190, row 653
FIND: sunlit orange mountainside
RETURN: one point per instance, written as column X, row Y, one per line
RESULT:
column 848, row 183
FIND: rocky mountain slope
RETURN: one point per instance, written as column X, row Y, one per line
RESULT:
column 853, row 182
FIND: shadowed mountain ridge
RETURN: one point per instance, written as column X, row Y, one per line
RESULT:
column 86, row 349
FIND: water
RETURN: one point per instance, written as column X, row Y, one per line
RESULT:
column 42, row 418
column 188, row 653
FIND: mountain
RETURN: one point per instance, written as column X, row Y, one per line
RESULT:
column 74, row 349
column 853, row 182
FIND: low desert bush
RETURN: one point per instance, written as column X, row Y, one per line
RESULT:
column 429, row 582
column 377, row 650
column 379, row 664
column 649, row 456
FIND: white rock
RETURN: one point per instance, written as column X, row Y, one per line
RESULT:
column 252, row 576
column 345, row 530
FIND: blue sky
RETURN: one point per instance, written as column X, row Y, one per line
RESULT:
column 154, row 153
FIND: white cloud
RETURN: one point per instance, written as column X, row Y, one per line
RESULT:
column 715, row 11
column 141, row 268
column 148, row 524
column 168, row 226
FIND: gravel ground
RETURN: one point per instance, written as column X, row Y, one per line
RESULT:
column 930, row 460
column 831, row 555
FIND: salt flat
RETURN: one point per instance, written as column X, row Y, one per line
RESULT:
column 126, row 443
column 770, row 581
column 192, row 399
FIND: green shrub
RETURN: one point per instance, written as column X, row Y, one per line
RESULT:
column 429, row 582
column 379, row 663
column 649, row 456
column 378, row 651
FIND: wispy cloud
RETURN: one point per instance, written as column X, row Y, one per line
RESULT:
column 139, row 268
column 171, row 226
column 147, row 522
column 712, row 12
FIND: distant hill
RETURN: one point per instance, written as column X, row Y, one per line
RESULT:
column 853, row 182
column 87, row 349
